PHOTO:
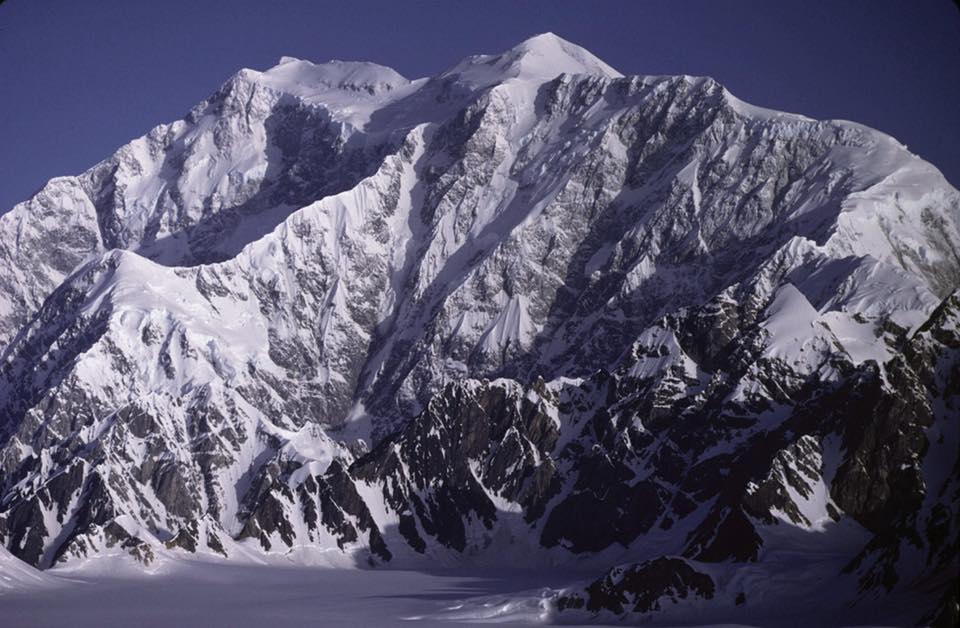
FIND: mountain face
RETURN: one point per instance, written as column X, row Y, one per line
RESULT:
column 526, row 307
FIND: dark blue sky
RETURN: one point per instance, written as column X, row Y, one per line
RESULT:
column 81, row 78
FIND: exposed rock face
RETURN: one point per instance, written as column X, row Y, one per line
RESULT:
column 528, row 305
column 642, row 588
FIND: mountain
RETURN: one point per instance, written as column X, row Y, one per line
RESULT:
column 526, row 307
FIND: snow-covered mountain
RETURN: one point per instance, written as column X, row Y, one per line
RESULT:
column 526, row 307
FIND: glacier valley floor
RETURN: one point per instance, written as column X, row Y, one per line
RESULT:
column 187, row 594
column 236, row 596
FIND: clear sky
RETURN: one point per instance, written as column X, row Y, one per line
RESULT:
column 79, row 79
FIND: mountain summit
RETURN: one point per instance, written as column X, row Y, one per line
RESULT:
column 526, row 307
column 542, row 57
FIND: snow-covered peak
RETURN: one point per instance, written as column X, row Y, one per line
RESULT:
column 547, row 54
column 330, row 295
column 540, row 58
column 350, row 90
column 297, row 76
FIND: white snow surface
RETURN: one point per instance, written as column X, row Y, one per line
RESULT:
column 191, row 593
column 350, row 90
column 16, row 575
column 214, row 594
column 540, row 58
